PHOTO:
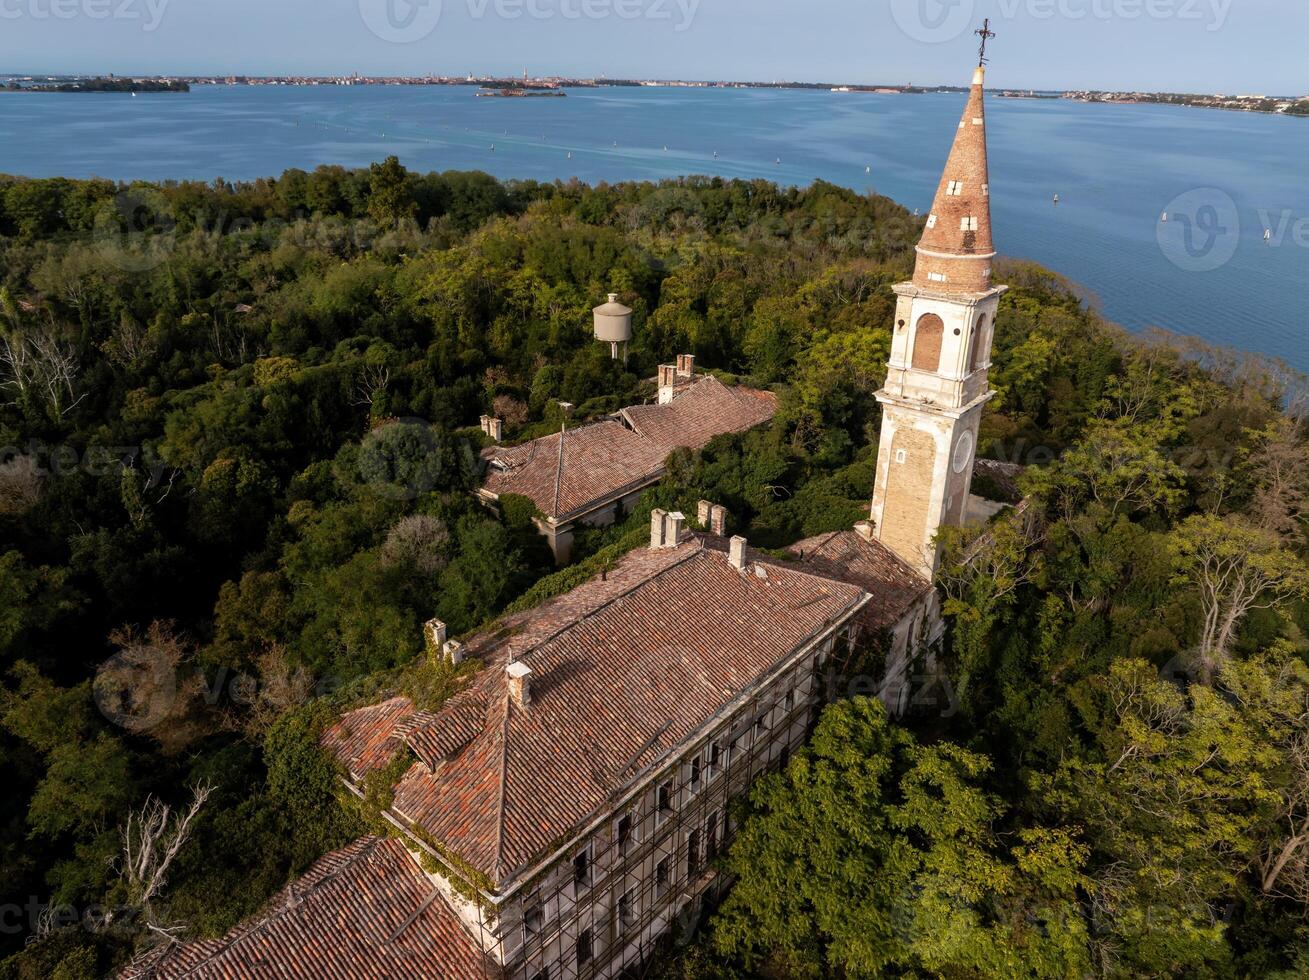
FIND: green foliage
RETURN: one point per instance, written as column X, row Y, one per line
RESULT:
column 269, row 438
column 872, row 855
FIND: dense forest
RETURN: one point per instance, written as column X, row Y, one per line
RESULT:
column 238, row 427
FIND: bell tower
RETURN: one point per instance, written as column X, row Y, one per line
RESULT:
column 937, row 382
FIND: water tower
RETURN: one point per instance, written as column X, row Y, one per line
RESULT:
column 613, row 323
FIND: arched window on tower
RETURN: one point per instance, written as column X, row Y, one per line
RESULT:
column 979, row 344
column 927, row 343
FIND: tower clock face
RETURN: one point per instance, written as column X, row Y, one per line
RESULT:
column 963, row 452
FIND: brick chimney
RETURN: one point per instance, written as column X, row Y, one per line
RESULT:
column 702, row 512
column 454, row 652
column 865, row 530
column 434, row 632
column 520, row 683
column 667, row 382
column 718, row 520
column 483, row 421
column 685, row 365
column 736, row 554
column 658, row 528
column 495, row 428
column 673, row 525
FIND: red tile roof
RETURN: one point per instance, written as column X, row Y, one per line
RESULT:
column 700, row 412
column 598, row 461
column 605, row 459
column 847, row 556
column 625, row 669
column 366, row 911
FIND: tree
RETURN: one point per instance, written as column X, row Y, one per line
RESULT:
column 1278, row 468
column 1233, row 568
column 871, row 855
column 1174, row 799
column 85, row 787
column 152, row 836
column 390, row 200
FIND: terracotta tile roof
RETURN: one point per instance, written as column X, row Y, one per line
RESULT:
column 604, row 459
column 698, row 413
column 598, row 461
column 624, row 669
column 368, row 741
column 847, row 556
column 433, row 737
column 366, row 911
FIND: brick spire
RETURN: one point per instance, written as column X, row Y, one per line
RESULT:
column 956, row 251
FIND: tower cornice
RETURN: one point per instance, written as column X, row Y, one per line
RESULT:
column 912, row 289
column 884, row 397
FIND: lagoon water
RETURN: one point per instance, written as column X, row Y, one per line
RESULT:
column 1223, row 177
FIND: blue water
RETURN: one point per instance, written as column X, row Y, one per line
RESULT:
column 1116, row 169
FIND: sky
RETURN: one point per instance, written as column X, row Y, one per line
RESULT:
column 1229, row 46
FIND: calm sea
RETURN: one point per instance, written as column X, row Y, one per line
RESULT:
column 1224, row 178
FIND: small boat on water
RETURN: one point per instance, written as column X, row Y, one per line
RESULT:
column 1163, row 219
column 1056, row 199
column 868, row 170
column 1268, row 235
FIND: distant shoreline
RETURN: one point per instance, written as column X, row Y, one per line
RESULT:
column 95, row 86
column 1270, row 105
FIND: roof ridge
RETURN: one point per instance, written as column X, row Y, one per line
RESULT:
column 559, row 470
column 497, row 858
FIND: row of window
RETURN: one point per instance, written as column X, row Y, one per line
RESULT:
column 703, row 845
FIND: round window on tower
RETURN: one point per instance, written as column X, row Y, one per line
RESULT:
column 963, row 452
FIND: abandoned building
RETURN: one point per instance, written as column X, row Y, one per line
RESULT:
column 595, row 473
column 560, row 815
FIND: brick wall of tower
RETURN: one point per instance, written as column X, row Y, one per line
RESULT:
column 909, row 495
column 972, row 275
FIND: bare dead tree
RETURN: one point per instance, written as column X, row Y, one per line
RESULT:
column 152, row 838
column 1235, row 569
column 20, row 484
column 1284, row 865
column 373, row 381
column 38, row 364
column 1279, row 469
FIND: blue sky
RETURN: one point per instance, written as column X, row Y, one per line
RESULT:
column 1233, row 46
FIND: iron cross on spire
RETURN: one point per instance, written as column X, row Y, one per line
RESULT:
column 985, row 34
